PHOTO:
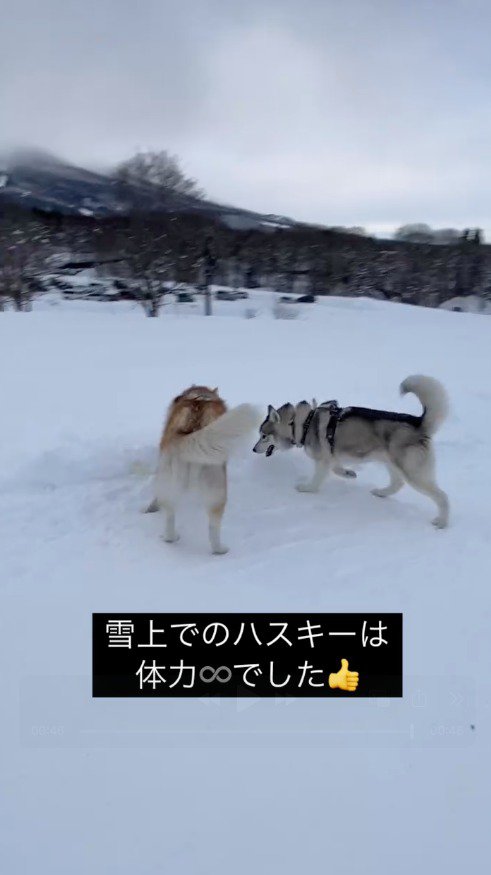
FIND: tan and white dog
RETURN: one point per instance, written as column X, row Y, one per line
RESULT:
column 198, row 436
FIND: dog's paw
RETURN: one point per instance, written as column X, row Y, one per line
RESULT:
column 306, row 487
column 345, row 472
column 171, row 539
column 439, row 523
column 379, row 493
column 221, row 550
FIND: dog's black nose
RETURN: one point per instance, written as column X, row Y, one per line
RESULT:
column 254, row 450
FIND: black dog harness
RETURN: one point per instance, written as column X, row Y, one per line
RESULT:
column 306, row 426
column 338, row 413
column 335, row 412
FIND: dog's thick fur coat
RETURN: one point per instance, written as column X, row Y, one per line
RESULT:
column 198, row 436
column 400, row 440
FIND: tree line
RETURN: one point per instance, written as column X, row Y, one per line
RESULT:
column 152, row 250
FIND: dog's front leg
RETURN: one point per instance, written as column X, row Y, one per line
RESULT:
column 321, row 471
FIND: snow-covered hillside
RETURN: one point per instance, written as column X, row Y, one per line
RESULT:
column 147, row 787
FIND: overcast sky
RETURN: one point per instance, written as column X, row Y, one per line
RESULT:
column 370, row 112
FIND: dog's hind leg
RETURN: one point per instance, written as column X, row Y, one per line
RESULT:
column 215, row 515
column 170, row 535
column 321, row 471
column 396, row 483
column 214, row 492
column 420, row 474
column 430, row 488
column 153, row 507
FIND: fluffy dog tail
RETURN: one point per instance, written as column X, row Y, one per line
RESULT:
column 213, row 444
column 433, row 397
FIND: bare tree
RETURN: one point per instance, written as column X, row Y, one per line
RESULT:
column 416, row 233
column 149, row 258
column 24, row 248
column 150, row 253
column 422, row 233
column 446, row 236
column 160, row 170
column 358, row 230
column 3, row 295
column 209, row 263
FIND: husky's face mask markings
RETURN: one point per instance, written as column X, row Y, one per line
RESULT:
column 267, row 430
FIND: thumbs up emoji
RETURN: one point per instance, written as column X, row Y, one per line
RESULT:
column 344, row 679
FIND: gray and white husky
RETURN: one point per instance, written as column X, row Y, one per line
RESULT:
column 332, row 436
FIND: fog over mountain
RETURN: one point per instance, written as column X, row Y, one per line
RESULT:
column 368, row 113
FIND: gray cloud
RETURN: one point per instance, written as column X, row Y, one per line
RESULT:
column 370, row 112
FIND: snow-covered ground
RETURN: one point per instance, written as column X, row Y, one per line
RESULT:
column 148, row 786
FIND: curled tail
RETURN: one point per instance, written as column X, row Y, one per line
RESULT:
column 213, row 444
column 432, row 396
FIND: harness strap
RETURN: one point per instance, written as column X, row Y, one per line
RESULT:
column 306, row 426
column 336, row 414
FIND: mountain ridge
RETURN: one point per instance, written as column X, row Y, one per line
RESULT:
column 38, row 180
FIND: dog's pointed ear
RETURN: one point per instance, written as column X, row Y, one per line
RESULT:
column 214, row 391
column 273, row 414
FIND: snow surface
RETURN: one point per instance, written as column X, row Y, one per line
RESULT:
column 187, row 786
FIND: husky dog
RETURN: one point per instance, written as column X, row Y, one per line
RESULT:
column 198, row 436
column 330, row 435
